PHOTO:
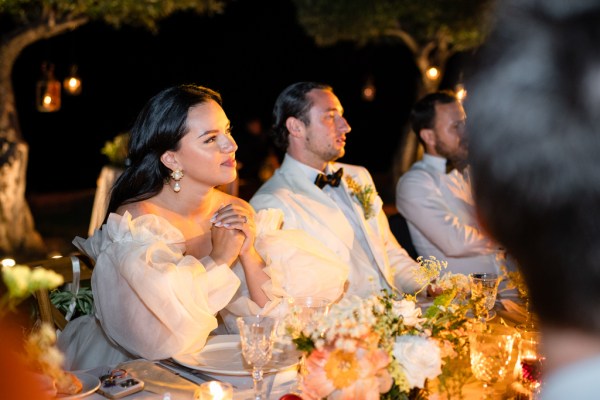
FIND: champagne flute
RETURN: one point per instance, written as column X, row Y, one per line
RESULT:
column 256, row 334
column 490, row 357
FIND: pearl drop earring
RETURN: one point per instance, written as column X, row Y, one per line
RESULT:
column 177, row 175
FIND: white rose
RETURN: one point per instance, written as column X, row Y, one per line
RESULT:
column 408, row 310
column 419, row 359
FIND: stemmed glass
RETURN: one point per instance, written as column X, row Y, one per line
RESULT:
column 529, row 324
column 484, row 286
column 530, row 362
column 490, row 357
column 305, row 312
column 256, row 334
column 304, row 315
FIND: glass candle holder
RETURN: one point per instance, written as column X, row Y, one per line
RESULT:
column 214, row 390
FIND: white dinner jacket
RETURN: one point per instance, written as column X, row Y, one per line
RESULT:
column 308, row 208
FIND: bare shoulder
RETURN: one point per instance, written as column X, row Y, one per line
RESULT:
column 135, row 209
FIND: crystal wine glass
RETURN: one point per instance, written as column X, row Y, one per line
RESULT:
column 304, row 315
column 484, row 286
column 530, row 361
column 256, row 334
column 490, row 357
column 305, row 312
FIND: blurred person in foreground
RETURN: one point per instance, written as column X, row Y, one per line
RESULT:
column 434, row 196
column 173, row 250
column 323, row 197
column 534, row 135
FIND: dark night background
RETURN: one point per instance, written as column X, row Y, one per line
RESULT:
column 249, row 54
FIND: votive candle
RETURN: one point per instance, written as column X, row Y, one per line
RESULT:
column 215, row 390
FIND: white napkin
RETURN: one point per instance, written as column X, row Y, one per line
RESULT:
column 514, row 308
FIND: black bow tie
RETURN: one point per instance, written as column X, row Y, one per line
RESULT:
column 331, row 179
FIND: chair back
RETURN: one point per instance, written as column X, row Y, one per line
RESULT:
column 399, row 228
column 73, row 269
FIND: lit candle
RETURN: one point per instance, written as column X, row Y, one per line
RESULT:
column 214, row 390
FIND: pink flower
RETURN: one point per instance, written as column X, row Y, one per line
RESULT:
column 342, row 375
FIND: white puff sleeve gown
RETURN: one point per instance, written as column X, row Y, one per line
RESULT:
column 298, row 265
column 151, row 300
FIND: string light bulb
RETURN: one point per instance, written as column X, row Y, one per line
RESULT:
column 72, row 82
column 461, row 92
column 368, row 91
column 433, row 73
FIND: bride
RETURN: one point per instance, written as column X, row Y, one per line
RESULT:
column 163, row 256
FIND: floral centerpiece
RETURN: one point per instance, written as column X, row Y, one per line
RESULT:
column 384, row 346
column 39, row 352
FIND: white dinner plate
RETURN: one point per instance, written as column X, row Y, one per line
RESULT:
column 223, row 355
column 89, row 382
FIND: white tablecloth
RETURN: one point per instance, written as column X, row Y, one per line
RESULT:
column 160, row 383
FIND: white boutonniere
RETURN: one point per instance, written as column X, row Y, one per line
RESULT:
column 364, row 194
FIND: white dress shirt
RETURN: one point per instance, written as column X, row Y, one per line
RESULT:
column 441, row 216
column 576, row 381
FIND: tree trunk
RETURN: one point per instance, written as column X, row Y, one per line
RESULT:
column 18, row 236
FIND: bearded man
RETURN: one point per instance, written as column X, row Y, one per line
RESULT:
column 434, row 196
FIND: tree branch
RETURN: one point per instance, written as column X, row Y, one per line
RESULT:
column 405, row 37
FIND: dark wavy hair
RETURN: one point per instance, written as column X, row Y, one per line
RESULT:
column 292, row 102
column 422, row 115
column 158, row 128
column 534, row 143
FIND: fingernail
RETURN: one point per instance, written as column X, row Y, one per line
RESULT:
column 218, row 223
column 226, row 225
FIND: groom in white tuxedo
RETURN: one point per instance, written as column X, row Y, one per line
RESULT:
column 323, row 197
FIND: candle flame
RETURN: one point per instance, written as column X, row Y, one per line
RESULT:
column 216, row 391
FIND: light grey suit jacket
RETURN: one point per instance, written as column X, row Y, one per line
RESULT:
column 308, row 208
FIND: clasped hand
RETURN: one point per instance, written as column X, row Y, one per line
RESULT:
column 233, row 232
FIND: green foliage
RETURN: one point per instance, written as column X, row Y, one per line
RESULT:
column 463, row 23
column 116, row 150
column 144, row 13
column 304, row 343
column 84, row 300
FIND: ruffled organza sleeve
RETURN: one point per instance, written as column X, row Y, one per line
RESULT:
column 298, row 265
column 150, row 298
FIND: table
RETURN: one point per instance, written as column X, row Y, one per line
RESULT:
column 181, row 385
column 162, row 384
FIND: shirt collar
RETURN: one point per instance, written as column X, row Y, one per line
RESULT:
column 438, row 163
column 310, row 172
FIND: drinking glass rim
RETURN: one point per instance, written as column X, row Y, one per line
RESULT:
column 484, row 275
column 318, row 301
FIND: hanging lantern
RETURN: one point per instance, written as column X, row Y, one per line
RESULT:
column 72, row 82
column 48, row 90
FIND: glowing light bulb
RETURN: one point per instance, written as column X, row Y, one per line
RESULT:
column 433, row 73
